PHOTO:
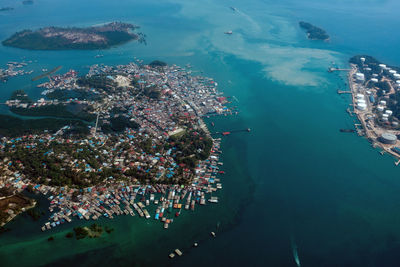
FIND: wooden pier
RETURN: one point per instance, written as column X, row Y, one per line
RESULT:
column 337, row 69
column 343, row 92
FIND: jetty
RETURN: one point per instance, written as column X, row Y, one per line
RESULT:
column 337, row 69
column 343, row 92
column 224, row 133
column 48, row 73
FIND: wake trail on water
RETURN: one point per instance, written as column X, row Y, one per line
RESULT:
column 294, row 251
column 291, row 229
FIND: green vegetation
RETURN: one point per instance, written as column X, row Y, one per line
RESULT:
column 119, row 124
column 371, row 62
column 152, row 92
column 157, row 63
column 45, row 168
column 69, row 235
column 313, row 32
column 100, row 37
column 93, row 231
column 20, row 95
column 100, row 81
column 382, row 87
column 63, row 95
column 80, row 232
column 191, row 147
column 34, row 213
column 108, row 230
column 12, row 126
column 393, row 104
column 60, row 111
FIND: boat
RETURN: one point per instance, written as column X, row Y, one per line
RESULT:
column 295, row 253
column 233, row 8
column 226, row 133
column 347, row 130
column 228, row 32
column 213, row 234
column 248, row 130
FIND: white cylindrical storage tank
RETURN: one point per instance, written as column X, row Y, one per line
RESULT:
column 382, row 102
column 360, row 76
column 388, row 138
column 380, row 108
column 361, row 106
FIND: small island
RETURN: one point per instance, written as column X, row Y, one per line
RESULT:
column 313, row 32
column 12, row 203
column 57, row 38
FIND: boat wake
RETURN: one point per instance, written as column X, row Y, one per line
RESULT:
column 295, row 253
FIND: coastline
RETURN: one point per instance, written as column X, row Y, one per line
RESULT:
column 366, row 130
column 22, row 210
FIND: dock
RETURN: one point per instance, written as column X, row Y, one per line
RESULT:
column 224, row 133
column 46, row 73
column 337, row 69
column 343, row 92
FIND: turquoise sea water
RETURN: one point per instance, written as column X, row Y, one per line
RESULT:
column 294, row 179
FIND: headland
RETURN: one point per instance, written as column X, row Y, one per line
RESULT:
column 141, row 142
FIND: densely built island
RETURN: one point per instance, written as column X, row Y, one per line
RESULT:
column 115, row 141
column 57, row 38
column 313, row 32
column 375, row 89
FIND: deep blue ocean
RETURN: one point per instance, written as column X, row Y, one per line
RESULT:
column 295, row 184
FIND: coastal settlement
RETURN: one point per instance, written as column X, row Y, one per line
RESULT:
column 134, row 137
